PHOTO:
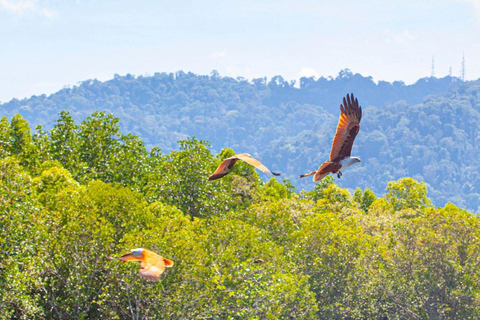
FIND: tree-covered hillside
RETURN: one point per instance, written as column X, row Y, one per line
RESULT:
column 428, row 130
column 243, row 249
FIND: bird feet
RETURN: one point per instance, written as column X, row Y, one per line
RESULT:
column 339, row 174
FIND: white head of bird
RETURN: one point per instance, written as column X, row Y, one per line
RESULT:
column 137, row 252
column 349, row 161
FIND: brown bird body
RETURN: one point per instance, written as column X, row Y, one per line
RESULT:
column 152, row 265
column 347, row 129
column 226, row 166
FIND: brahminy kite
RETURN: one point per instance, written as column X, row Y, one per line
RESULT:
column 152, row 266
column 226, row 166
column 347, row 130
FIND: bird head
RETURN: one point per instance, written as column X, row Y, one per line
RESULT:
column 135, row 254
column 357, row 159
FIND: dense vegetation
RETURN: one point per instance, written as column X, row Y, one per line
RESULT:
column 73, row 195
column 428, row 130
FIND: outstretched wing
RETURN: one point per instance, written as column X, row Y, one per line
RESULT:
column 347, row 129
column 254, row 162
column 223, row 169
column 153, row 266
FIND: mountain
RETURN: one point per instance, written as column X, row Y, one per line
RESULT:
column 428, row 130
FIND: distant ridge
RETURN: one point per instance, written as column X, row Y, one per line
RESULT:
column 427, row 130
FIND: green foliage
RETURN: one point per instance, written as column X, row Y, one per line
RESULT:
column 364, row 199
column 17, row 140
column 64, row 144
column 276, row 190
column 333, row 199
column 318, row 191
column 99, row 141
column 428, row 267
column 242, row 248
column 181, row 180
column 427, row 130
column 21, row 232
column 5, row 138
column 407, row 194
column 328, row 249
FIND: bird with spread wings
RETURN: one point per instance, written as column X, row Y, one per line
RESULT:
column 347, row 130
column 226, row 166
column 152, row 265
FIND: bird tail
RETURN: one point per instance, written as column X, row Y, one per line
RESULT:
column 168, row 263
column 307, row 174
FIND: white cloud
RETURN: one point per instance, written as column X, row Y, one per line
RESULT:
column 307, row 72
column 398, row 37
column 219, row 54
column 47, row 86
column 49, row 13
column 17, row 7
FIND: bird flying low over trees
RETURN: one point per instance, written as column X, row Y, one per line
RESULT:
column 347, row 130
column 152, row 266
column 226, row 166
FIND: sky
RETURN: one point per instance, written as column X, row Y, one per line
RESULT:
column 46, row 45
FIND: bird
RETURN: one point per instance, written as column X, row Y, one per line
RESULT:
column 226, row 166
column 347, row 129
column 152, row 265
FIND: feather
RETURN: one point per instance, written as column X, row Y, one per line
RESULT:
column 347, row 128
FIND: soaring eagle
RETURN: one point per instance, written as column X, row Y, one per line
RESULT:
column 347, row 129
column 152, row 266
column 226, row 166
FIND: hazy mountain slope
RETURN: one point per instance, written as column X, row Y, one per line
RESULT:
column 290, row 128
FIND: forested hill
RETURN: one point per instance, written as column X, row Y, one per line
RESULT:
column 428, row 130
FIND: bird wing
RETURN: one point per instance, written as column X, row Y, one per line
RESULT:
column 254, row 162
column 126, row 257
column 223, row 169
column 153, row 265
column 347, row 129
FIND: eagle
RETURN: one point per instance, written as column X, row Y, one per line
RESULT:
column 347, row 130
column 152, row 266
column 226, row 166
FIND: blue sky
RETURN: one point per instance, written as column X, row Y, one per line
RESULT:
column 47, row 44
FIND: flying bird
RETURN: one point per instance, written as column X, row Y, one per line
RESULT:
column 152, row 266
column 347, row 129
column 226, row 166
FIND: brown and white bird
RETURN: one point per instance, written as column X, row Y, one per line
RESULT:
column 152, row 265
column 226, row 166
column 347, row 129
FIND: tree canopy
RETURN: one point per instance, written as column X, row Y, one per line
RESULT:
column 243, row 248
column 427, row 130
